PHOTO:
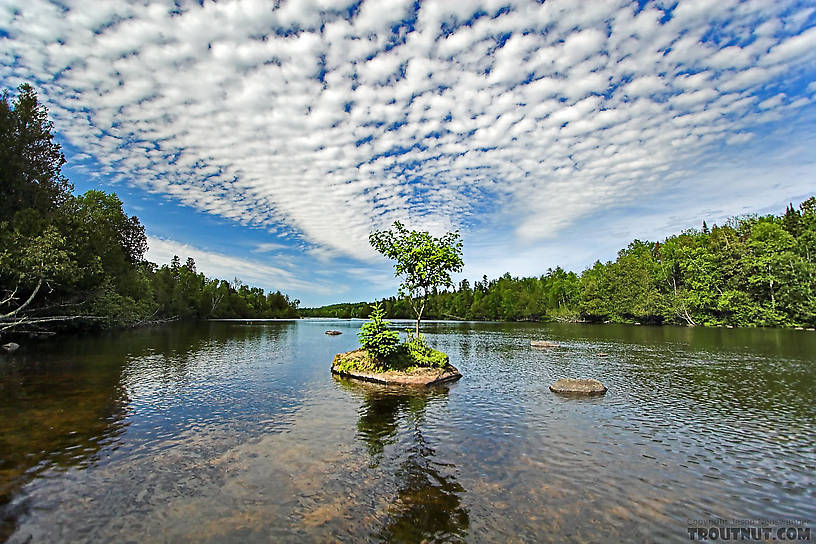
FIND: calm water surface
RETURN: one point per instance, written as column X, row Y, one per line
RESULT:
column 237, row 432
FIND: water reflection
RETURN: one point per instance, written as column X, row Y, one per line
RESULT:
column 53, row 418
column 428, row 503
column 69, row 404
column 237, row 432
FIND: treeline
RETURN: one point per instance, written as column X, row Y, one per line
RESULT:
column 553, row 295
column 751, row 271
column 180, row 291
column 71, row 260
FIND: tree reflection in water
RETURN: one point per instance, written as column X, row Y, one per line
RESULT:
column 63, row 402
column 53, row 419
column 428, row 504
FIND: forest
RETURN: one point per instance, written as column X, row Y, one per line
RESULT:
column 71, row 261
column 750, row 271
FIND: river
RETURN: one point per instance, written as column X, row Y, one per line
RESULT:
column 238, row 432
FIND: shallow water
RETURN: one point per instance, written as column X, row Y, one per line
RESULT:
column 237, row 432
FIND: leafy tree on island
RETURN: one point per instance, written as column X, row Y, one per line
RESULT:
column 424, row 261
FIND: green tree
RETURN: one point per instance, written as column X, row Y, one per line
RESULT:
column 752, row 271
column 30, row 262
column 424, row 261
column 30, row 160
column 770, row 269
column 82, row 253
column 375, row 336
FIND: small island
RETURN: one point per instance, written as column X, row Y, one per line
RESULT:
column 383, row 359
column 425, row 262
column 358, row 364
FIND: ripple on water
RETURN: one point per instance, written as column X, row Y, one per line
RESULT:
column 236, row 432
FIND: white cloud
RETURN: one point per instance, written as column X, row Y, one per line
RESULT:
column 267, row 247
column 227, row 267
column 794, row 48
column 645, row 86
column 772, row 102
column 740, row 137
column 326, row 125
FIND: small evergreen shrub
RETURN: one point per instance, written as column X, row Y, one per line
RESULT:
column 375, row 336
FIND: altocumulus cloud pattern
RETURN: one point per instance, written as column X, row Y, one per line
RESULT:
column 322, row 119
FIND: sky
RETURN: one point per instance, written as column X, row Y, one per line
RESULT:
column 267, row 139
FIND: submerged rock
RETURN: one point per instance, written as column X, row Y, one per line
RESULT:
column 543, row 344
column 573, row 386
column 334, row 333
column 11, row 346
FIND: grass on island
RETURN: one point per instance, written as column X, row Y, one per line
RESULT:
column 409, row 357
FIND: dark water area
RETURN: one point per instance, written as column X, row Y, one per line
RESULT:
column 237, row 432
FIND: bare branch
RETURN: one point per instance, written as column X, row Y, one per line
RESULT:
column 11, row 297
column 26, row 303
column 13, row 324
column 215, row 302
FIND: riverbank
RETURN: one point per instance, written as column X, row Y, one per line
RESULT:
column 28, row 338
column 575, row 321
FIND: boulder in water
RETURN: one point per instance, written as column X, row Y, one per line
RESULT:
column 573, row 386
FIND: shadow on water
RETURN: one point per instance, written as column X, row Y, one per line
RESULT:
column 428, row 502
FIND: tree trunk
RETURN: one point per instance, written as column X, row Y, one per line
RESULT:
column 685, row 315
column 216, row 300
column 419, row 316
column 771, row 285
column 10, row 297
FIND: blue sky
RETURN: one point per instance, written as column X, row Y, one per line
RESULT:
column 267, row 142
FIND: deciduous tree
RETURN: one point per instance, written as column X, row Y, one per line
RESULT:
column 425, row 262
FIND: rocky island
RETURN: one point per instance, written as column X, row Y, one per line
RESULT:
column 425, row 262
column 383, row 359
column 358, row 364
